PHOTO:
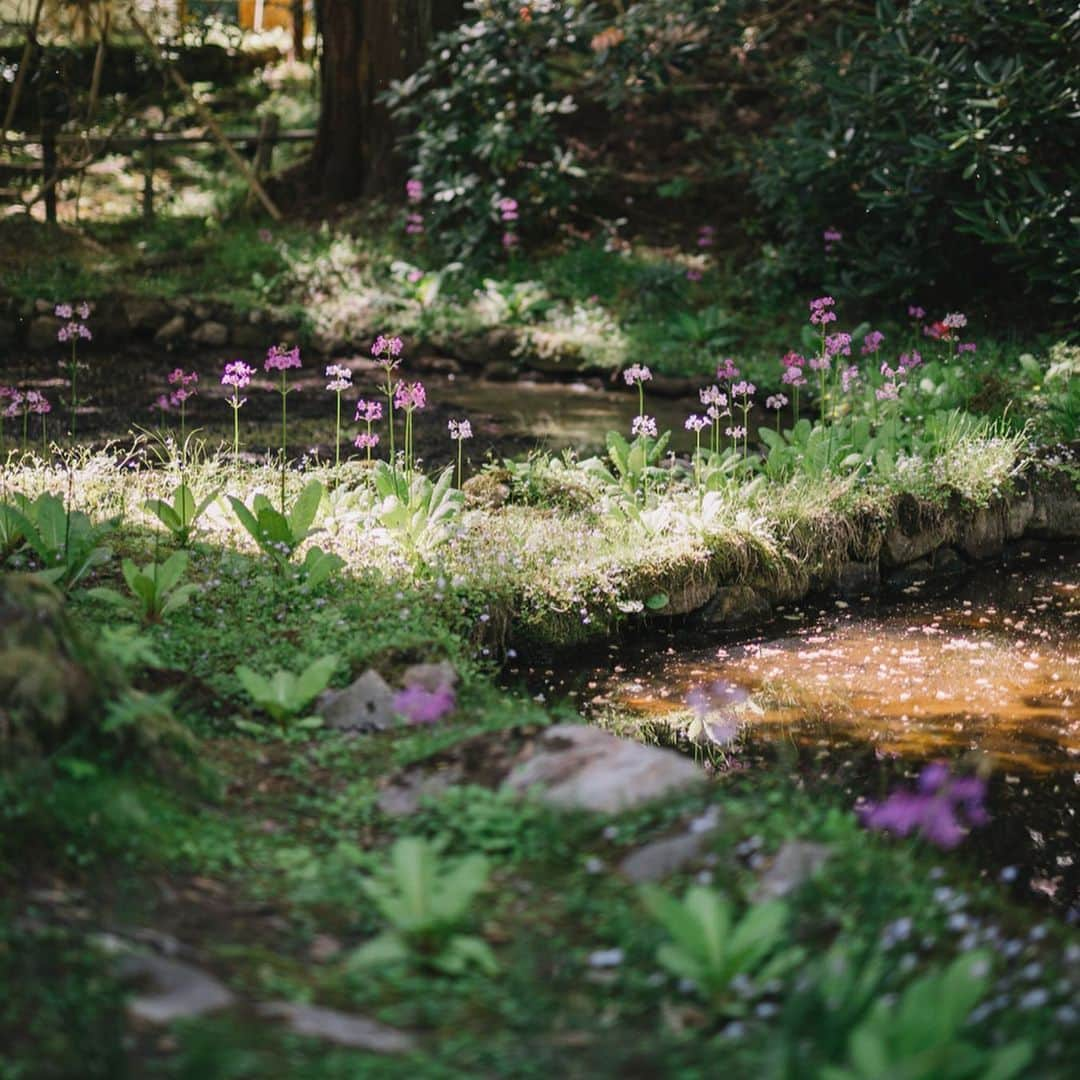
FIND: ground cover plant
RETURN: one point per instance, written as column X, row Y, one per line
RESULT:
column 310, row 764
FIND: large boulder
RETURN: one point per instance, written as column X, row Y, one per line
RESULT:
column 577, row 767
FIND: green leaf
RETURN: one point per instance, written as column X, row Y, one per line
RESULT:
column 304, row 511
column 657, row 601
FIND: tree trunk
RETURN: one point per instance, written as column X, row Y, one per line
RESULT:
column 365, row 45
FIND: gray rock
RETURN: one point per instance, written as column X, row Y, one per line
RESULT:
column 857, row 578
column 203, row 312
column 342, row 1029
column 174, row 990
column 900, row 548
column 145, row 314
column 574, row 767
column 911, row 576
column 795, row 863
column 171, row 330
column 212, row 334
column 947, row 563
column 402, row 795
column 664, row 857
column 42, row 333
column 430, row 676
column 982, row 536
column 1019, row 510
column 246, row 336
column 736, row 605
column 365, row 705
column 690, row 596
column 1056, row 513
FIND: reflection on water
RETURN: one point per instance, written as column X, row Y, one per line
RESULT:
column 862, row 695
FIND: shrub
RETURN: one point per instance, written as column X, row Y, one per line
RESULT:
column 939, row 139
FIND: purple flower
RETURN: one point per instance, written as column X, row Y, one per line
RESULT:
column 735, row 432
column 792, row 359
column 509, row 240
column 163, row 402
column 340, row 378
column 414, row 190
column 643, row 425
column 818, row 363
column 955, row 320
column 872, row 342
column 831, row 238
column 414, row 224
column 281, row 358
column 744, row 390
column 712, row 395
column 849, row 377
column 636, row 373
column 776, row 401
column 910, row 361
column 508, row 209
column 420, row 706
column 237, row 374
column 965, row 346
column 386, row 346
column 413, row 276
column 368, row 411
column 63, row 311
column 693, row 275
column 366, row 440
column 793, row 376
column 36, row 402
column 179, row 377
column 819, row 311
column 696, row 423
column 460, row 429
column 706, row 236
column 727, row 370
column 838, row 345
column 942, row 809
column 916, row 312
column 410, row 396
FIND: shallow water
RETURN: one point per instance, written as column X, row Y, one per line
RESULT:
column 987, row 677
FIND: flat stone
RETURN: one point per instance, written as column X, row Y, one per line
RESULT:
column 145, row 314
column 577, row 767
column 246, row 336
column 342, row 1029
column 212, row 334
column 661, row 858
column 171, row 330
column 430, row 676
column 796, row 862
column 736, row 605
column 175, row 991
column 365, row 705
column 403, row 794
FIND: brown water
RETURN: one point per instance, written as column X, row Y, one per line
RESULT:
column 860, row 696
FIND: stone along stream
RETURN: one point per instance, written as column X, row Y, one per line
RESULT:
column 860, row 695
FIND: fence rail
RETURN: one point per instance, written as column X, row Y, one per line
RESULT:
column 261, row 142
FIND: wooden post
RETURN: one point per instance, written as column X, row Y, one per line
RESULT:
column 48, row 169
column 148, row 178
column 264, row 144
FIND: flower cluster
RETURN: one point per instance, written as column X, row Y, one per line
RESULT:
column 340, row 378
column 419, row 705
column 706, row 236
column 184, row 383
column 942, row 809
column 776, row 401
column 636, row 373
column 872, row 342
column 508, row 214
column 386, row 351
column 237, row 374
column 281, row 358
column 726, row 370
column 644, row 426
column 75, row 326
column 820, row 314
column 410, row 396
column 460, row 429
column 832, row 237
column 368, row 411
column 793, row 369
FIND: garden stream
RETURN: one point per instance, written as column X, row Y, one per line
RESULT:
column 858, row 696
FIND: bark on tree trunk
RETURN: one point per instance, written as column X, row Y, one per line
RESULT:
column 365, row 45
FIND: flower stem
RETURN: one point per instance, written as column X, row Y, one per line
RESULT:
column 284, row 443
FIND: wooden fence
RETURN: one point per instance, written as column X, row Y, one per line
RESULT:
column 148, row 146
